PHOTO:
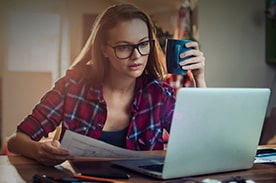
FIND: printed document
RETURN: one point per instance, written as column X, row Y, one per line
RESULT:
column 81, row 145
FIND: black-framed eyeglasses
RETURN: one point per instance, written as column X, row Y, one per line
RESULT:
column 125, row 51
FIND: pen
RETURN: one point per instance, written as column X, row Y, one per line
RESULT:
column 108, row 175
column 42, row 179
column 99, row 179
column 53, row 179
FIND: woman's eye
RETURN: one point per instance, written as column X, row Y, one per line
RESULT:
column 144, row 44
column 123, row 47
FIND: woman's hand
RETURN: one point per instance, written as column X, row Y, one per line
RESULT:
column 50, row 153
column 196, row 63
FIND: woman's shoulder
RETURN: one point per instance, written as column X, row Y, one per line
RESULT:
column 155, row 86
column 77, row 74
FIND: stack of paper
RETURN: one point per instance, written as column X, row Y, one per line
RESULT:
column 266, row 155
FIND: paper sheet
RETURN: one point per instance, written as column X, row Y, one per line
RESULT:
column 269, row 159
column 81, row 145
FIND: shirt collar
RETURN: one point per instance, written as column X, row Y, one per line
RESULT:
column 96, row 93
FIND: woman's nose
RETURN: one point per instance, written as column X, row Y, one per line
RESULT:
column 135, row 54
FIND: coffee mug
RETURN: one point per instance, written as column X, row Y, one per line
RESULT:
column 174, row 48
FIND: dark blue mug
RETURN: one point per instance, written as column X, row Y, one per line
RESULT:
column 174, row 48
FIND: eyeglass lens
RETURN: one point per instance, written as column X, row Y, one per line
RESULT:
column 126, row 50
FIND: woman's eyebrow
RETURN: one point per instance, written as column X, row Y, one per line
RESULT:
column 145, row 38
column 127, row 42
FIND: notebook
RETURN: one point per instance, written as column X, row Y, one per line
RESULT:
column 213, row 130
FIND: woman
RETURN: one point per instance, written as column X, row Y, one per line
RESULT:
column 115, row 90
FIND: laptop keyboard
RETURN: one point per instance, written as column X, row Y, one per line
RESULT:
column 155, row 168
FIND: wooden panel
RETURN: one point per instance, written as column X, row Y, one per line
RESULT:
column 21, row 91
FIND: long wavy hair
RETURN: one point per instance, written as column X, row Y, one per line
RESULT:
column 92, row 56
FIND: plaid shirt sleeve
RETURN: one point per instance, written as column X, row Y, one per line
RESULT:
column 74, row 102
column 46, row 115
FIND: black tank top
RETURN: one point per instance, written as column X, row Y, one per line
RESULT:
column 117, row 138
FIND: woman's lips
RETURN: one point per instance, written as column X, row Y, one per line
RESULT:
column 135, row 66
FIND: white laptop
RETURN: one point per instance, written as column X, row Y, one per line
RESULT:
column 213, row 130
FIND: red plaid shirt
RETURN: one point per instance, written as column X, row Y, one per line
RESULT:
column 80, row 106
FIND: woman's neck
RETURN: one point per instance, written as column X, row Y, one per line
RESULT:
column 119, row 85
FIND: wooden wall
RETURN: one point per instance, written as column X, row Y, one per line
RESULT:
column 21, row 91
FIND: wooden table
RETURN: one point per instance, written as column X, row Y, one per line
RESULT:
column 20, row 169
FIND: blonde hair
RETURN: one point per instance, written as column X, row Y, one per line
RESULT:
column 92, row 55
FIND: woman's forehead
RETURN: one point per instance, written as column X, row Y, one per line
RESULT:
column 133, row 30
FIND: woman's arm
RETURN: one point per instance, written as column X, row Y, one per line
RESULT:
column 47, row 153
column 200, row 81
